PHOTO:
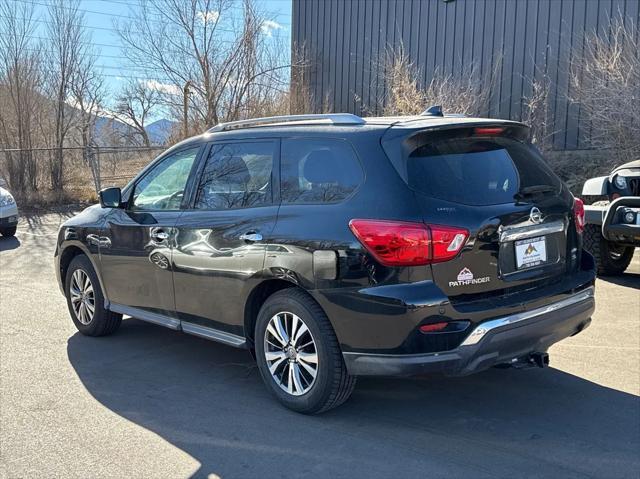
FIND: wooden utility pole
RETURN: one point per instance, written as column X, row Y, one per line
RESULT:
column 185, row 109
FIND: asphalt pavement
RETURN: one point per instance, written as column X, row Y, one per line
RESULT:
column 148, row 402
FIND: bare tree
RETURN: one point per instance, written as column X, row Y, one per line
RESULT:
column 20, row 78
column 606, row 82
column 300, row 98
column 87, row 91
column 67, row 41
column 135, row 104
column 537, row 113
column 233, row 66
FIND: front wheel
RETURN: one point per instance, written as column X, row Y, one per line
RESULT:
column 86, row 301
column 611, row 258
column 298, row 354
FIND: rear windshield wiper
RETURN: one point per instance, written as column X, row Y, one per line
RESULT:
column 528, row 191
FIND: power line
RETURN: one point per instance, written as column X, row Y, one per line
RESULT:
column 48, row 22
column 106, row 149
column 116, row 2
column 111, row 45
column 113, row 30
column 39, row 37
column 101, row 44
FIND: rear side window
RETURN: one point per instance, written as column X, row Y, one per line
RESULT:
column 318, row 171
column 479, row 171
column 236, row 175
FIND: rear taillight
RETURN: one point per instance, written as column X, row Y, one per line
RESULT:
column 398, row 243
column 578, row 214
column 446, row 241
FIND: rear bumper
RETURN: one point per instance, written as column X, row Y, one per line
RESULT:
column 490, row 343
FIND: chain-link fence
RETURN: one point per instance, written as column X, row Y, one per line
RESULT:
column 27, row 171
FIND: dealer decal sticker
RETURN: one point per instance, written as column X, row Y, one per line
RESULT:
column 465, row 278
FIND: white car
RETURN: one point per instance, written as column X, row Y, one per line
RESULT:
column 8, row 213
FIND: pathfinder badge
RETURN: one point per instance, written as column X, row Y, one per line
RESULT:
column 465, row 278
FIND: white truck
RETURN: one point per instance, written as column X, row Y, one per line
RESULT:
column 612, row 230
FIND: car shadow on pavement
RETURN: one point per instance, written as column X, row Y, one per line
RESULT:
column 208, row 400
column 631, row 280
column 7, row 244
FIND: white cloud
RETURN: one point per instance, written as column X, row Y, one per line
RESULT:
column 161, row 87
column 101, row 112
column 268, row 26
column 210, row 16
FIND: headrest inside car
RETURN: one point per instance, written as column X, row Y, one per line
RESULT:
column 233, row 169
column 322, row 166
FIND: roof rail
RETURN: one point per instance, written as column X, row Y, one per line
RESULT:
column 334, row 118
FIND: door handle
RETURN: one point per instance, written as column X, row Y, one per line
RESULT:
column 251, row 237
column 159, row 235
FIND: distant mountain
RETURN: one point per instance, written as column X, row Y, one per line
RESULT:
column 105, row 129
column 160, row 131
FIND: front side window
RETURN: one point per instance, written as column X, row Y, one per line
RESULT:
column 237, row 175
column 163, row 187
column 318, row 171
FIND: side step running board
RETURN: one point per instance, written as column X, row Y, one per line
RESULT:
column 214, row 334
column 147, row 316
column 177, row 325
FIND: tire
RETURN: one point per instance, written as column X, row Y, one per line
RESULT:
column 611, row 259
column 10, row 231
column 101, row 322
column 332, row 384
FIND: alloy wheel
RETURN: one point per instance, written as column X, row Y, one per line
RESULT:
column 291, row 353
column 82, row 296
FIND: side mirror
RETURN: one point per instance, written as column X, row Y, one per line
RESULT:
column 110, row 197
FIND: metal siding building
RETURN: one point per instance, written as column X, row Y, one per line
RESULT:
column 344, row 39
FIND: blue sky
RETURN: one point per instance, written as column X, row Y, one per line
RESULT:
column 99, row 16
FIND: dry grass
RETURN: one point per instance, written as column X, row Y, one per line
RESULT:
column 606, row 84
column 467, row 93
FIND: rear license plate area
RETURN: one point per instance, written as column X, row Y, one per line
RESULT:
column 531, row 252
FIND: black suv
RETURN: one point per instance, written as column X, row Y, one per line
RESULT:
column 333, row 246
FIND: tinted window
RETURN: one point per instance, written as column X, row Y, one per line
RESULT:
column 163, row 187
column 478, row 171
column 318, row 171
column 236, row 175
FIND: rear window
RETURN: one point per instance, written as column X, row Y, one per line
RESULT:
column 479, row 170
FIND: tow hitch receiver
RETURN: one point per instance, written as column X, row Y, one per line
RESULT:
column 539, row 359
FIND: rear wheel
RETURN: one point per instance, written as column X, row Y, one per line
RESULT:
column 10, row 231
column 611, row 258
column 86, row 301
column 298, row 354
